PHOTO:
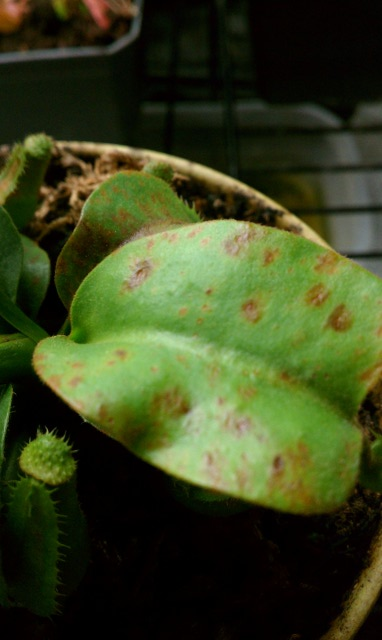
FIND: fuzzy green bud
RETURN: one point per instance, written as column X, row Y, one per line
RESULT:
column 49, row 459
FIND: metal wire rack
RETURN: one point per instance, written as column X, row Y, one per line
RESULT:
column 201, row 101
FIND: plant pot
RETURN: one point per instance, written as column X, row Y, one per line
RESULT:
column 74, row 93
column 184, row 613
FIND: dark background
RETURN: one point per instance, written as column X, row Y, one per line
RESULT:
column 285, row 96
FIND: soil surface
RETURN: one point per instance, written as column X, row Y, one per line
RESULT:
column 42, row 29
column 159, row 571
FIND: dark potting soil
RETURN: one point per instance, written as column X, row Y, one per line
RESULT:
column 158, row 570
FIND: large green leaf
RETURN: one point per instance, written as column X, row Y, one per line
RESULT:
column 232, row 356
column 120, row 207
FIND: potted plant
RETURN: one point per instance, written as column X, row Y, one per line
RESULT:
column 229, row 358
column 76, row 90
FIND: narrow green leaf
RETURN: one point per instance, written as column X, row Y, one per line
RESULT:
column 13, row 315
column 230, row 355
column 121, row 207
column 34, row 279
column 6, row 393
column 11, row 260
column 11, row 255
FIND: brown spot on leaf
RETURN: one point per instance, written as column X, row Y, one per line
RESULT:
column 248, row 392
column 340, row 319
column 140, row 272
column 317, row 295
column 237, row 425
column 326, row 263
column 74, row 382
column 270, row 256
column 234, row 245
column 121, row 354
column 172, row 403
column 182, row 311
column 195, row 231
column 287, row 476
column 38, row 358
column 208, row 291
column 55, row 381
column 292, row 460
column 372, row 375
column 104, row 415
column 243, row 478
column 251, row 311
column 213, row 467
column 278, row 464
column 78, row 365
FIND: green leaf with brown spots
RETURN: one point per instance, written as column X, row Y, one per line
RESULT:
column 230, row 355
column 124, row 205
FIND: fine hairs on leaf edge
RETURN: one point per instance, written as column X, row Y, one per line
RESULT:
column 63, row 508
column 31, row 587
column 16, row 157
